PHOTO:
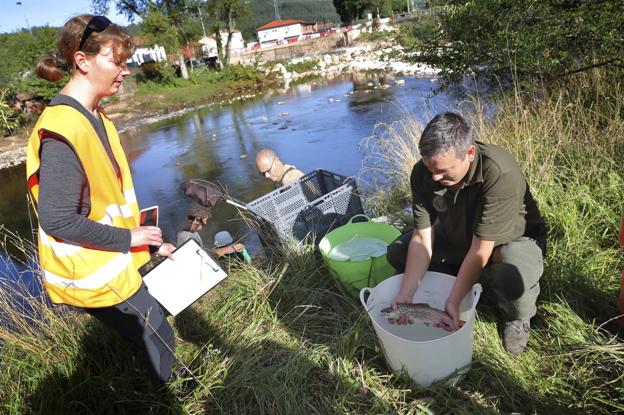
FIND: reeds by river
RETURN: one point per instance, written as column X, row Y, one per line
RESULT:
column 277, row 339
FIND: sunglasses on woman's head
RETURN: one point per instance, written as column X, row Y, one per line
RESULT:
column 96, row 24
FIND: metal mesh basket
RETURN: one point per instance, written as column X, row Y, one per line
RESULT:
column 307, row 209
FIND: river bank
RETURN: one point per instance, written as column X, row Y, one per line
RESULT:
column 370, row 65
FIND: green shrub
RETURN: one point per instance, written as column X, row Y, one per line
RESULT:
column 416, row 33
column 300, row 67
column 377, row 36
column 239, row 73
column 9, row 118
column 40, row 87
column 158, row 72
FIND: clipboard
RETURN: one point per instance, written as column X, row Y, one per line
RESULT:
column 178, row 284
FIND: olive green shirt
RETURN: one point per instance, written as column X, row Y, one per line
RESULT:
column 493, row 203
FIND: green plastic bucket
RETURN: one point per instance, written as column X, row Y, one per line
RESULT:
column 366, row 269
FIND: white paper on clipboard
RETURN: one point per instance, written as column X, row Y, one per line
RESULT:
column 179, row 283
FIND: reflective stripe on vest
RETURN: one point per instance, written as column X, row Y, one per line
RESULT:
column 82, row 275
column 100, row 278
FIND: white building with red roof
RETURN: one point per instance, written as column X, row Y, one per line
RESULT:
column 284, row 30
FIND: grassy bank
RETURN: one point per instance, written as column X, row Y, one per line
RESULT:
column 277, row 339
column 204, row 86
column 140, row 100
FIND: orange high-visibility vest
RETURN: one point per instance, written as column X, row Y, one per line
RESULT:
column 76, row 274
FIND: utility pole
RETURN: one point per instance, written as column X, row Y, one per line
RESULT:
column 201, row 19
column 277, row 16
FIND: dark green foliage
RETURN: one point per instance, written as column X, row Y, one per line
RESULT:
column 160, row 72
column 415, row 34
column 157, row 28
column 301, row 67
column 526, row 39
column 40, row 87
column 9, row 119
column 241, row 73
column 350, row 10
column 20, row 51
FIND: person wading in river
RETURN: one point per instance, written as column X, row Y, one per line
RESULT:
column 197, row 217
column 90, row 241
column 271, row 167
column 474, row 217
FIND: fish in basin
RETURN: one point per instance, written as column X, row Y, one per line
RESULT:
column 421, row 312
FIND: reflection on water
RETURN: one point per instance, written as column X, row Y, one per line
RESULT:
column 14, row 212
column 313, row 125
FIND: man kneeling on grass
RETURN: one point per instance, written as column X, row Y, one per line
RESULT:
column 474, row 217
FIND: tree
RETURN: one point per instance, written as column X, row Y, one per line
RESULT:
column 525, row 39
column 20, row 51
column 381, row 8
column 157, row 28
column 226, row 12
column 176, row 11
column 350, row 10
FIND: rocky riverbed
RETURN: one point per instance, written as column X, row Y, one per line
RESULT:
column 365, row 58
column 12, row 151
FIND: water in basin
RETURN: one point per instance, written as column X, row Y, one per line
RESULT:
column 359, row 249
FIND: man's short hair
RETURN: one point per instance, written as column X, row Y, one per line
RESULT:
column 446, row 131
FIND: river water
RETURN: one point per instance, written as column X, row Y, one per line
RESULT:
column 319, row 124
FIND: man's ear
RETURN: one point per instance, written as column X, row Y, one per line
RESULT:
column 81, row 61
column 472, row 152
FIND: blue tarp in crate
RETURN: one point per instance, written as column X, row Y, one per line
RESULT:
column 307, row 209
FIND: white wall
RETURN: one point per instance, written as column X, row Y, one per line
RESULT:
column 209, row 47
column 237, row 43
column 209, row 44
column 279, row 33
column 153, row 54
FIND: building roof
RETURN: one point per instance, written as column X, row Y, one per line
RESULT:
column 280, row 23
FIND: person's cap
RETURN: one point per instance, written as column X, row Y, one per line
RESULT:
column 222, row 238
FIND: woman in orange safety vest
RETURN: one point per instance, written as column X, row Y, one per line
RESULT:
column 91, row 244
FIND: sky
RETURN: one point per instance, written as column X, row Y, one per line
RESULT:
column 45, row 12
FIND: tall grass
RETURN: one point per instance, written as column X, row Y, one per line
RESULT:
column 391, row 152
column 278, row 337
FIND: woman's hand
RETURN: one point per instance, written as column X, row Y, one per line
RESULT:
column 166, row 249
column 146, row 235
column 238, row 247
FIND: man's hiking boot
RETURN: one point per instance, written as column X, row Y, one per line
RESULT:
column 516, row 336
